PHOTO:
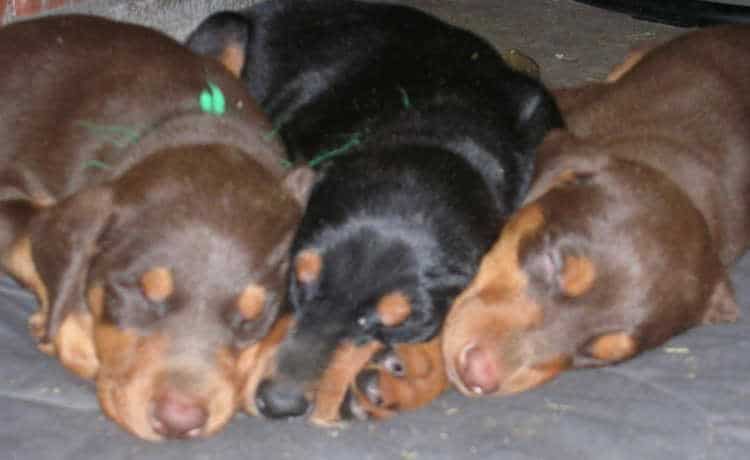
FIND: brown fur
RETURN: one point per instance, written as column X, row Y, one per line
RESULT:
column 644, row 199
column 139, row 220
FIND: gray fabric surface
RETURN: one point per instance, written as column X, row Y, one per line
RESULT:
column 687, row 400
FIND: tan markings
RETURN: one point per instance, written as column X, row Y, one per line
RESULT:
column 19, row 262
column 95, row 298
column 224, row 391
column 258, row 362
column 131, row 369
column 577, row 276
column 347, row 362
column 251, row 302
column 502, row 260
column 136, row 369
column 500, row 271
column 111, row 343
column 157, row 284
column 74, row 343
column 527, row 378
column 424, row 380
column 613, row 347
column 308, row 266
column 233, row 58
column 495, row 306
column 393, row 309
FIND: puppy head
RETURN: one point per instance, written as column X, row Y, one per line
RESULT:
column 370, row 382
column 607, row 259
column 357, row 285
column 156, row 284
column 404, row 377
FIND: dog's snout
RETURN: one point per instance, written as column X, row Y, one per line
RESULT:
column 281, row 399
column 176, row 415
column 478, row 371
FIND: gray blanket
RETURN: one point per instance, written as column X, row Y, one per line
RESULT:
column 689, row 399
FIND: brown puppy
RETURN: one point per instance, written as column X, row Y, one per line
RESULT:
column 144, row 204
column 634, row 217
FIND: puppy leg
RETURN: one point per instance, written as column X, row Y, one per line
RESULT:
column 17, row 260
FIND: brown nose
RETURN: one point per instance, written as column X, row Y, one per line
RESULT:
column 177, row 415
column 478, row 371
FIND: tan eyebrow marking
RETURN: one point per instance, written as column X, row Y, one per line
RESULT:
column 157, row 284
column 578, row 275
column 308, row 265
column 252, row 301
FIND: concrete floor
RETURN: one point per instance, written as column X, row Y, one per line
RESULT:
column 572, row 42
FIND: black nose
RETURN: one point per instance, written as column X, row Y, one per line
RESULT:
column 281, row 399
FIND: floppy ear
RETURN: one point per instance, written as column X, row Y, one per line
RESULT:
column 63, row 242
column 222, row 36
column 569, row 273
column 537, row 113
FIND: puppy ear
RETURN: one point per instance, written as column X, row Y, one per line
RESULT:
column 63, row 241
column 567, row 273
column 299, row 181
column 537, row 113
column 722, row 308
column 222, row 36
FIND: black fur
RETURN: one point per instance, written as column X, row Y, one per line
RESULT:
column 438, row 139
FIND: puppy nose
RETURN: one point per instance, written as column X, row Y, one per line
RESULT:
column 176, row 415
column 478, row 370
column 280, row 399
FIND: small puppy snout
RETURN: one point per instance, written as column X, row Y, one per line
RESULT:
column 281, row 399
column 368, row 382
column 178, row 416
column 478, row 371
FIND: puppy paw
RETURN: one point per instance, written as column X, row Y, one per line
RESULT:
column 38, row 330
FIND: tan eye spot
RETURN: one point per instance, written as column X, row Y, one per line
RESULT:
column 251, row 302
column 157, row 284
column 578, row 275
column 393, row 309
column 613, row 347
column 233, row 58
column 308, row 266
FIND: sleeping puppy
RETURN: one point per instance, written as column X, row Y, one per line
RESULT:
column 142, row 202
column 636, row 213
column 429, row 143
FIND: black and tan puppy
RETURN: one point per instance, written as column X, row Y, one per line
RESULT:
column 432, row 140
column 637, row 211
column 143, row 205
